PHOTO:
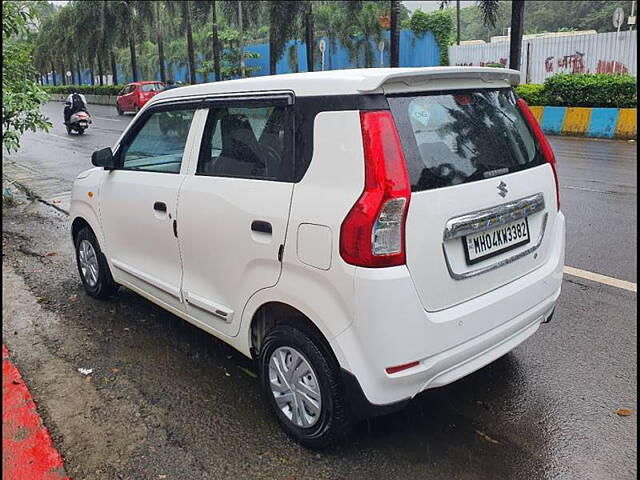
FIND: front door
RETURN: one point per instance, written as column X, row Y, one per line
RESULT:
column 233, row 212
column 138, row 204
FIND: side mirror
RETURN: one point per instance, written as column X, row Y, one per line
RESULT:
column 104, row 158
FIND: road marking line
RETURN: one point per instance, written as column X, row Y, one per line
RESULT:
column 109, row 119
column 596, row 277
column 62, row 138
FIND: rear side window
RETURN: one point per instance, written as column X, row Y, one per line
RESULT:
column 247, row 142
column 151, row 87
column 451, row 138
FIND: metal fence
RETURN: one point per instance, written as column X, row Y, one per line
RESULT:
column 545, row 56
column 415, row 51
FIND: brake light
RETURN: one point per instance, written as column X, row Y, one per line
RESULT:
column 373, row 232
column 547, row 151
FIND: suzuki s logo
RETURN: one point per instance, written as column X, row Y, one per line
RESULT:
column 502, row 189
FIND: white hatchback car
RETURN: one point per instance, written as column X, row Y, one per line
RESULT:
column 364, row 235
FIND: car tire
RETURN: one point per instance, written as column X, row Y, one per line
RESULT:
column 80, row 131
column 69, row 130
column 92, row 266
column 119, row 110
column 319, row 371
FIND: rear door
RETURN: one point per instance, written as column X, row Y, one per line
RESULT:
column 483, row 197
column 148, row 91
column 233, row 213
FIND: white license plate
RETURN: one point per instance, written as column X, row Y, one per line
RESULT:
column 83, row 124
column 480, row 246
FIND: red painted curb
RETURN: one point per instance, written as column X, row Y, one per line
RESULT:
column 27, row 450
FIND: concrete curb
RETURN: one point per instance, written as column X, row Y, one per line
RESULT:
column 91, row 99
column 619, row 123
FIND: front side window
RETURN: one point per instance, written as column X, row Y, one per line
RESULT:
column 158, row 145
column 246, row 142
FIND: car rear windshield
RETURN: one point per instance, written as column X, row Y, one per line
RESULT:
column 457, row 137
column 151, row 87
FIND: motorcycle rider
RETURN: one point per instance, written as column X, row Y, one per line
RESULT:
column 75, row 103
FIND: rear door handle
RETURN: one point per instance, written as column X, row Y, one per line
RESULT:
column 160, row 207
column 261, row 226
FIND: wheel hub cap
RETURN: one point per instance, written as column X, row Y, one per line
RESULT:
column 88, row 263
column 295, row 387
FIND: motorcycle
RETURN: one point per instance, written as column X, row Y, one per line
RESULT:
column 79, row 121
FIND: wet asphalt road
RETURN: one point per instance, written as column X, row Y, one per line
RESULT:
column 168, row 399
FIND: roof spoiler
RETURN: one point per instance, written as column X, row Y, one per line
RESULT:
column 420, row 75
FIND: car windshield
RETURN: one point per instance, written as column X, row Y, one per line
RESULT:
column 458, row 137
column 151, row 87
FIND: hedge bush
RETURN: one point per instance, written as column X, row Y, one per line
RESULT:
column 85, row 89
column 591, row 90
column 583, row 90
column 533, row 94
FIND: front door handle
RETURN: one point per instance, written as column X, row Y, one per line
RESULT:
column 160, row 207
column 261, row 226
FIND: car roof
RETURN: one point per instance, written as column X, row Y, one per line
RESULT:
column 144, row 82
column 337, row 82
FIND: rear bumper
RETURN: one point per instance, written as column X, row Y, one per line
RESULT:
column 392, row 328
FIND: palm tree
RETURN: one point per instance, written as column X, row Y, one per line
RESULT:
column 360, row 26
column 184, row 9
column 203, row 8
column 153, row 12
column 127, row 21
column 515, row 47
column 281, row 25
column 489, row 11
column 244, row 15
column 329, row 18
column 215, row 41
column 308, row 34
column 394, row 34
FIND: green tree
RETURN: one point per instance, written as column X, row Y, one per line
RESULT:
column 21, row 95
column 394, row 34
column 244, row 15
column 329, row 19
column 204, row 8
column 183, row 8
column 153, row 13
column 282, row 15
column 360, row 26
column 127, row 25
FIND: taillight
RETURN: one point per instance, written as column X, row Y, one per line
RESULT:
column 547, row 151
column 373, row 232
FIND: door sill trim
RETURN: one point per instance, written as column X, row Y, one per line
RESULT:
column 148, row 279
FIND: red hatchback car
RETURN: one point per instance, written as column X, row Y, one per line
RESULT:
column 133, row 97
